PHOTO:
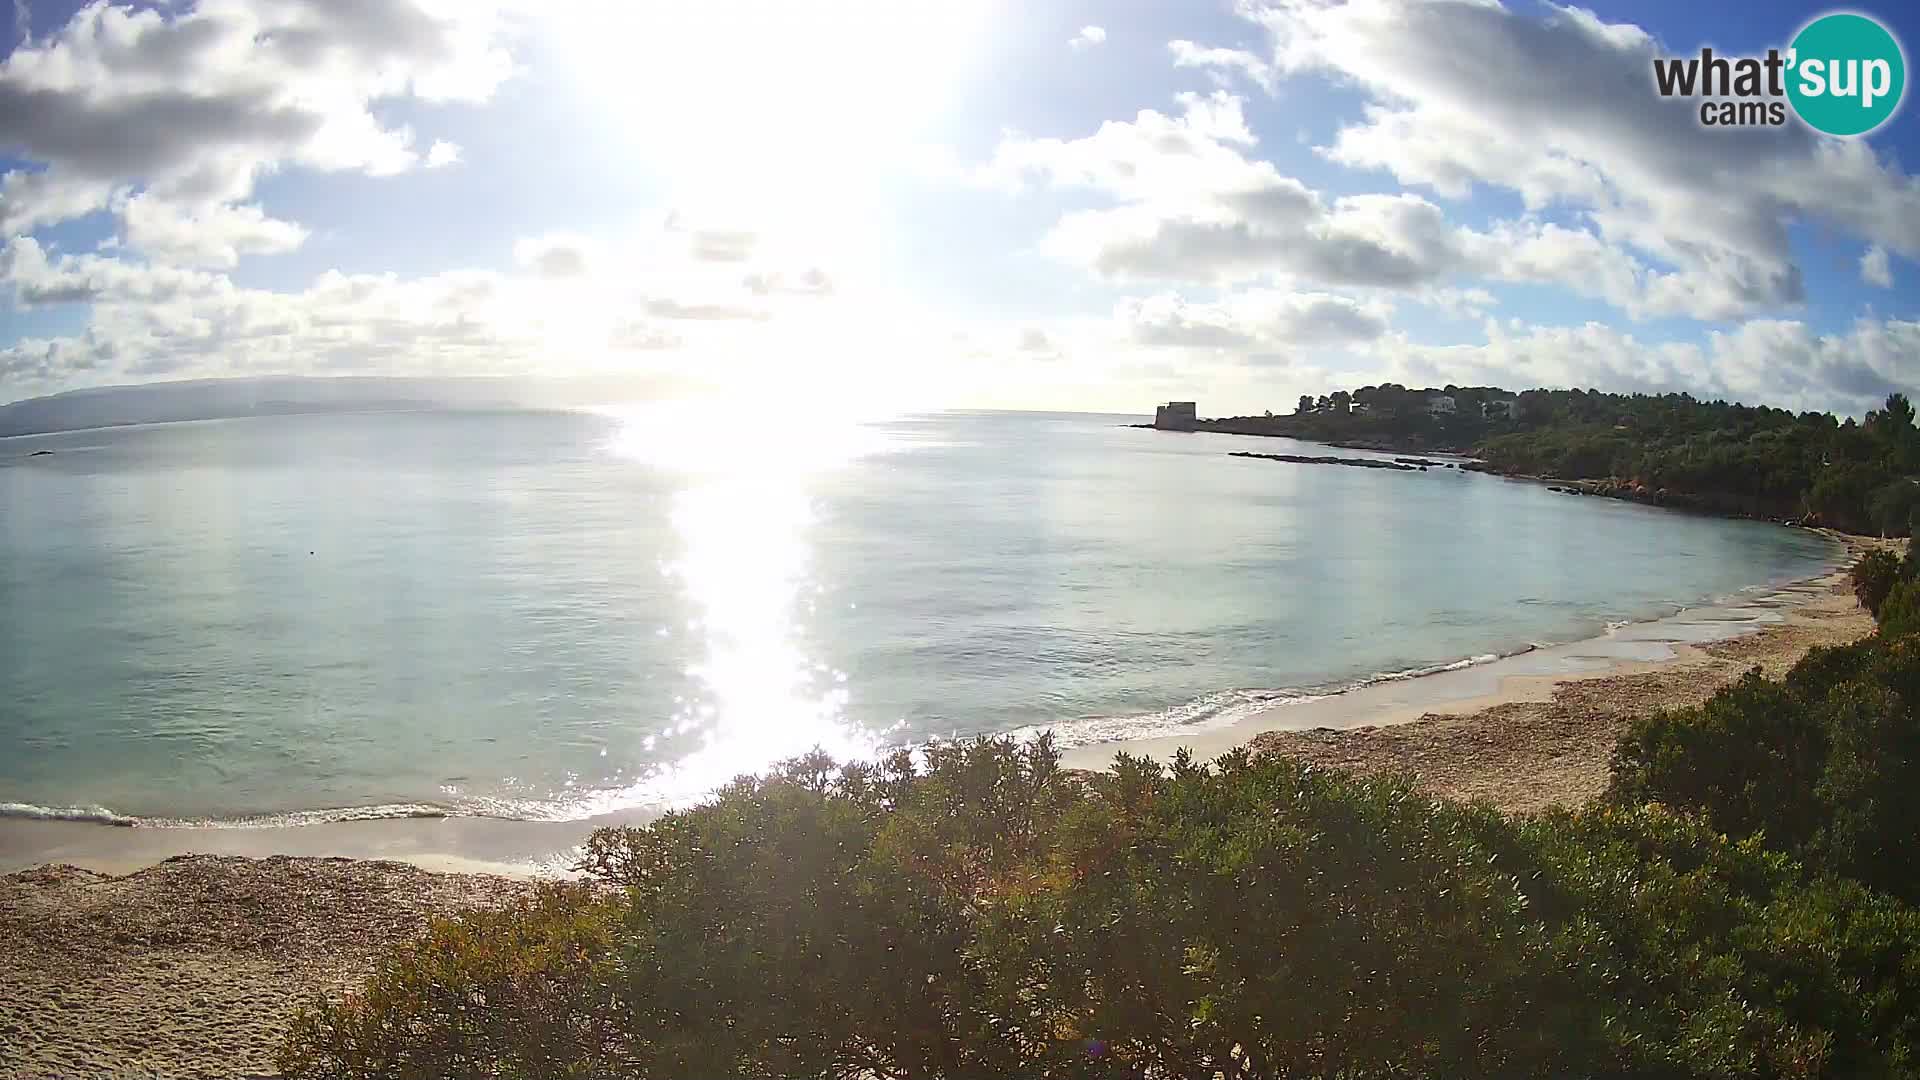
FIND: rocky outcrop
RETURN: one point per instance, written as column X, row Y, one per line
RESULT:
column 1359, row 463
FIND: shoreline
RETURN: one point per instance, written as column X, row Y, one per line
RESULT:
column 191, row 965
column 1707, row 504
column 1350, row 727
column 1526, row 741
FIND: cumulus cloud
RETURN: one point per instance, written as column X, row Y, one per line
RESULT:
column 1763, row 361
column 1223, row 63
column 29, row 200
column 442, row 154
column 192, row 106
column 570, row 303
column 1876, row 268
column 1559, row 109
column 215, row 234
column 1263, row 319
column 38, row 279
column 1191, row 202
column 555, row 255
column 157, row 321
column 1193, row 206
column 1087, row 38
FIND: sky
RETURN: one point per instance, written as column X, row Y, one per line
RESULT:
column 973, row 203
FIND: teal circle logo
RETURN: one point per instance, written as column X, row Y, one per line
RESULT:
column 1846, row 74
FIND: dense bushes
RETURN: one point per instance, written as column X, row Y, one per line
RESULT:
column 985, row 914
column 1900, row 613
column 1859, row 476
column 1874, row 576
column 525, row 992
column 1732, row 458
column 1737, row 906
column 1824, row 764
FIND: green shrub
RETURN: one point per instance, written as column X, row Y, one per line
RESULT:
column 1874, row 576
column 1900, row 612
column 1748, row 759
column 523, row 992
column 985, row 914
column 1824, row 764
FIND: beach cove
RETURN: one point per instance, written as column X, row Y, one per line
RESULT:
column 128, row 951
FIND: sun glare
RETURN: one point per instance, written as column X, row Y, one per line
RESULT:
column 714, row 94
column 742, row 520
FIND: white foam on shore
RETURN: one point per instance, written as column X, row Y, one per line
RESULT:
column 98, row 815
column 101, row 815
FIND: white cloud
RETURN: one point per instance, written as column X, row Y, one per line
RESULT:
column 1192, row 206
column 1875, row 268
column 29, row 200
column 1192, row 203
column 193, row 106
column 37, row 279
column 1763, row 361
column 1221, row 63
column 1260, row 319
column 1088, row 37
column 442, row 154
column 647, row 301
column 212, row 234
column 1559, row 109
column 555, row 255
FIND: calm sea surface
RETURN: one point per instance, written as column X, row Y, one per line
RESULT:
column 551, row 614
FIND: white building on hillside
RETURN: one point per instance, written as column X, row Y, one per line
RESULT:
column 1440, row 404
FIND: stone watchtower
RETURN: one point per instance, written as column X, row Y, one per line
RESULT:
column 1176, row 416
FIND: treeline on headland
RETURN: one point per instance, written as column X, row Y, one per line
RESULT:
column 1741, row 904
column 1813, row 468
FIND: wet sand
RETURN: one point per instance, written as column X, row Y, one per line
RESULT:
column 1526, row 740
column 1546, row 742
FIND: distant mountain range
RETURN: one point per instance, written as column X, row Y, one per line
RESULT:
column 216, row 399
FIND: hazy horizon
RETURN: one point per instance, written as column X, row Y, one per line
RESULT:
column 565, row 392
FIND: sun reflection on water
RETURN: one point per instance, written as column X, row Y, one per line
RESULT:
column 743, row 520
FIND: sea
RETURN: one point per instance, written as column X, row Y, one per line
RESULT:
column 557, row 615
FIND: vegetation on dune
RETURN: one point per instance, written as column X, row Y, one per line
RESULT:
column 1740, row 905
column 1874, row 576
column 1823, row 764
column 1861, row 477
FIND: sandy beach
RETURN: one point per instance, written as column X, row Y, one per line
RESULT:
column 1546, row 741
column 190, row 966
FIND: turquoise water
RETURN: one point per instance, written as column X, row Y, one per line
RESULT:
column 552, row 615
